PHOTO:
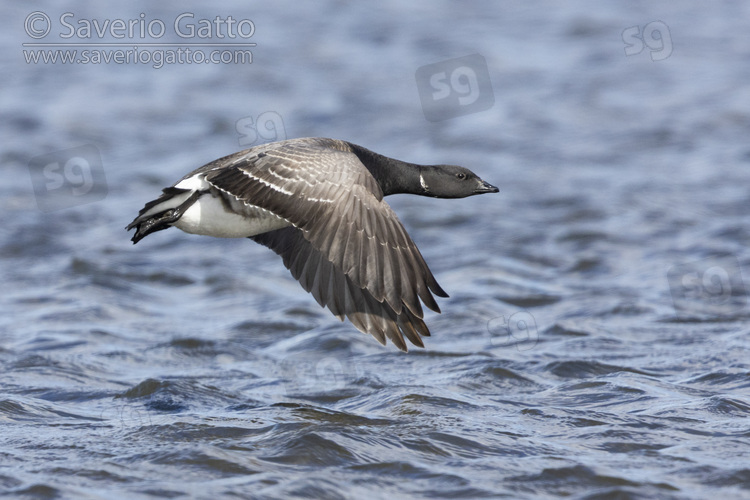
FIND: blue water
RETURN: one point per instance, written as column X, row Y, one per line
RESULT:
column 596, row 342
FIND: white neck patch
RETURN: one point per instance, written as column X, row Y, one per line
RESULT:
column 423, row 183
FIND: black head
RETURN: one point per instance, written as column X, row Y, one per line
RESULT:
column 452, row 181
column 440, row 181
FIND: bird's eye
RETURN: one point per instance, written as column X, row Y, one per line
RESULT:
column 461, row 175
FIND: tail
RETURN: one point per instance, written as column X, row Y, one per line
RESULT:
column 162, row 212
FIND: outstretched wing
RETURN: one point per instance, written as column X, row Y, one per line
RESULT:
column 346, row 245
column 331, row 287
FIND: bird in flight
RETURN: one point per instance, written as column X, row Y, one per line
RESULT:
column 318, row 203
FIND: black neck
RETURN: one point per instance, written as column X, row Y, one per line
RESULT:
column 394, row 176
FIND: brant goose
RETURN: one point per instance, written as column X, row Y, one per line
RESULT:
column 318, row 203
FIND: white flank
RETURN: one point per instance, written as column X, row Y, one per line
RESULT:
column 196, row 183
column 209, row 215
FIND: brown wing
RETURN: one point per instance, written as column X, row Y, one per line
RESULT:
column 347, row 246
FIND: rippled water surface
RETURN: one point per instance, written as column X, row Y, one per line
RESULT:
column 596, row 342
